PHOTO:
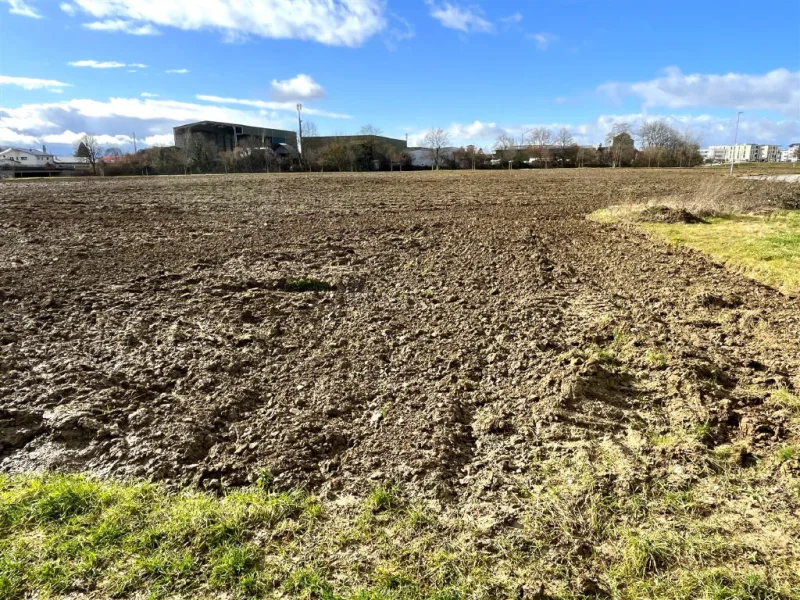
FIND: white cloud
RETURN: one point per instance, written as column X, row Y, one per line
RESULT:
column 332, row 22
column 281, row 106
column 67, row 8
column 105, row 64
column 778, row 90
column 542, row 39
column 22, row 8
column 70, row 138
column 117, row 118
column 9, row 137
column 122, row 26
column 511, row 19
column 398, row 30
column 462, row 134
column 453, row 16
column 148, row 95
column 177, row 71
column 165, row 139
column 30, row 83
column 302, row 87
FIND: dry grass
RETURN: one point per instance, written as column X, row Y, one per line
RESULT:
column 712, row 197
column 722, row 197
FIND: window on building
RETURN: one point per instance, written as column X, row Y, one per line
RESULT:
column 23, row 158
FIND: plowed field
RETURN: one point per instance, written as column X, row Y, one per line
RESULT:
column 581, row 410
column 476, row 323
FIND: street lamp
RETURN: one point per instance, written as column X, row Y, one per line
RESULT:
column 300, row 134
column 735, row 139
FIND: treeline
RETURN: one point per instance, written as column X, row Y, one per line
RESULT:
column 198, row 155
column 659, row 146
column 357, row 155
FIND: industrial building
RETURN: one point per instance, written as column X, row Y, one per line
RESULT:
column 315, row 143
column 227, row 136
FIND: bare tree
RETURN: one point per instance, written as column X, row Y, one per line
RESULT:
column 620, row 141
column 310, row 129
column 336, row 154
column 617, row 129
column 654, row 137
column 395, row 155
column 369, row 130
column 656, row 133
column 435, row 141
column 184, row 142
column 540, row 136
column 470, row 155
column 540, row 140
column 112, row 151
column 228, row 160
column 202, row 153
column 564, row 138
column 505, row 147
column 88, row 147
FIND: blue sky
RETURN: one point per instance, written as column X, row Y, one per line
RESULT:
column 477, row 69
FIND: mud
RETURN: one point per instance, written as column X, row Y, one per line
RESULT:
column 469, row 324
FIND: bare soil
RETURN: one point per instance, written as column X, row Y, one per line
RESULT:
column 182, row 329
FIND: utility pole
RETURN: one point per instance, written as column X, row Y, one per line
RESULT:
column 735, row 139
column 300, row 133
column 134, row 142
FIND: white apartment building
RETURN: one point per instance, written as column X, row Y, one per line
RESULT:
column 742, row 153
column 790, row 154
column 713, row 153
column 769, row 153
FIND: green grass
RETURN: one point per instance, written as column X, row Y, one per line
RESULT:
column 70, row 534
column 383, row 498
column 787, row 453
column 764, row 247
column 656, row 359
